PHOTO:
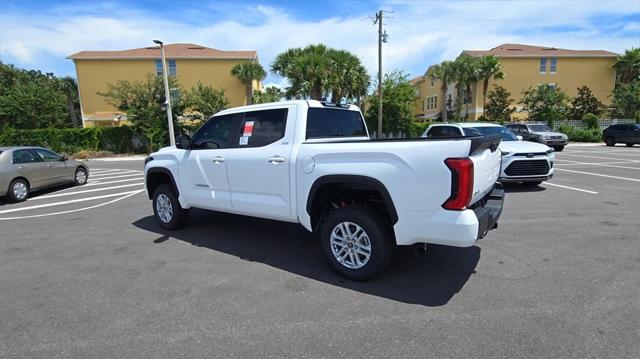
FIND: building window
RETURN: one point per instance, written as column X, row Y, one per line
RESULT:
column 543, row 65
column 552, row 86
column 435, row 102
column 433, row 81
column 552, row 66
column 170, row 63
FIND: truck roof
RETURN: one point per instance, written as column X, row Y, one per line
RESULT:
column 309, row 103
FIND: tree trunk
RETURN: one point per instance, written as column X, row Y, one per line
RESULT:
column 485, row 87
column 71, row 107
column 249, row 93
column 444, row 102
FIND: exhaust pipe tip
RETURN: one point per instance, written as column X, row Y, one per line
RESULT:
column 420, row 249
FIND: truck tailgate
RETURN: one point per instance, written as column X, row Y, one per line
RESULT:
column 487, row 160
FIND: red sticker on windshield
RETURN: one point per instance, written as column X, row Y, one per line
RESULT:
column 248, row 128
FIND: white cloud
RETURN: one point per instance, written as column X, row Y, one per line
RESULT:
column 420, row 32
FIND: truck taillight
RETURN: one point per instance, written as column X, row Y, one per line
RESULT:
column 461, row 183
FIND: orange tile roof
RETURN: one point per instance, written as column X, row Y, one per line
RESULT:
column 416, row 80
column 518, row 50
column 174, row 51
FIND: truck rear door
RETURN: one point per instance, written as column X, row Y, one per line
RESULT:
column 259, row 163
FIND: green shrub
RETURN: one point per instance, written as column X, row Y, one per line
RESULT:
column 581, row 134
column 590, row 120
column 418, row 128
column 72, row 140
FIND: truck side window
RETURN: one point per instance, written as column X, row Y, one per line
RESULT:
column 215, row 133
column 435, row 132
column 261, row 128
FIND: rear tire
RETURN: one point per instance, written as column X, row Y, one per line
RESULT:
column 166, row 208
column 18, row 190
column 610, row 141
column 357, row 242
column 558, row 148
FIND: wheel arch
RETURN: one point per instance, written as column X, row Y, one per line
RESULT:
column 323, row 184
column 156, row 176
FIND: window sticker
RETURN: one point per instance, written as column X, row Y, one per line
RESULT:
column 248, row 128
column 244, row 140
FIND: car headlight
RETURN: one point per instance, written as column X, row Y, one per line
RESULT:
column 505, row 153
column 147, row 160
column 550, row 151
column 545, row 137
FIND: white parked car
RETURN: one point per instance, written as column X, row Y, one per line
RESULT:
column 313, row 163
column 522, row 161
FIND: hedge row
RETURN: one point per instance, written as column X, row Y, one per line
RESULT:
column 72, row 140
column 581, row 134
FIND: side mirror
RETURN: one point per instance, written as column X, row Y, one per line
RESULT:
column 64, row 158
column 519, row 137
column 183, row 142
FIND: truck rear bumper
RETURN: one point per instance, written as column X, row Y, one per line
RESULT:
column 451, row 228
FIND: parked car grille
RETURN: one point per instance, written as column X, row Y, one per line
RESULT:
column 525, row 154
column 528, row 168
column 556, row 137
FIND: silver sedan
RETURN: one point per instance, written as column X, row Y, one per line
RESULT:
column 25, row 169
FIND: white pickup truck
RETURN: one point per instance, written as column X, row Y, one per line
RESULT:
column 313, row 163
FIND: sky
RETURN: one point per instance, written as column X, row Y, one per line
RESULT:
column 41, row 34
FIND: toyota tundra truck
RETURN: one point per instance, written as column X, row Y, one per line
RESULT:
column 313, row 163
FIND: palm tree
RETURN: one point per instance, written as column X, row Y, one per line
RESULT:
column 489, row 68
column 466, row 72
column 348, row 77
column 445, row 72
column 70, row 87
column 248, row 72
column 628, row 66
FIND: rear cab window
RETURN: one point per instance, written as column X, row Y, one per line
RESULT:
column 262, row 127
column 444, row 132
column 332, row 123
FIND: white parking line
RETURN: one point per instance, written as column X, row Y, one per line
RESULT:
column 105, row 170
column 600, row 164
column 567, row 187
column 107, row 175
column 74, row 210
column 625, row 153
column 68, row 202
column 600, row 175
column 85, row 191
column 98, row 183
column 118, row 176
column 598, row 157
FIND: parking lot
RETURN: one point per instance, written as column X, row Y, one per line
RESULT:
column 86, row 272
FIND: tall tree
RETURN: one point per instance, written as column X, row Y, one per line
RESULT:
column 317, row 71
column 268, row 94
column 445, row 72
column 626, row 100
column 205, row 101
column 466, row 70
column 488, row 68
column 70, row 88
column 545, row 104
column 248, row 72
column 499, row 106
column 398, row 98
column 584, row 103
column 628, row 66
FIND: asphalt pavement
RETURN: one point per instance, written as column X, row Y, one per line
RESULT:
column 85, row 272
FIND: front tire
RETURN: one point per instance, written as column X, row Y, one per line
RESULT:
column 18, row 190
column 357, row 242
column 166, row 208
column 558, row 148
column 81, row 176
column 610, row 141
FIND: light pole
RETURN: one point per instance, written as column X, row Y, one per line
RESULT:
column 167, row 95
column 382, row 37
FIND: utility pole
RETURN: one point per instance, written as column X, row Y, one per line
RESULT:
column 382, row 37
column 167, row 94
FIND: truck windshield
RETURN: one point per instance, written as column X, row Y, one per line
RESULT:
column 504, row 132
column 328, row 123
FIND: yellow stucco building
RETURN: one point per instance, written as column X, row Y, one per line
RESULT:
column 524, row 66
column 190, row 63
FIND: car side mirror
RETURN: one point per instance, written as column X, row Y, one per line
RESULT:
column 64, row 158
column 184, row 142
column 519, row 137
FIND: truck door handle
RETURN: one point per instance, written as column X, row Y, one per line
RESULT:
column 218, row 160
column 276, row 159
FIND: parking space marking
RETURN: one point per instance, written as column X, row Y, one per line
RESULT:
column 567, row 187
column 97, row 183
column 133, row 193
column 85, row 191
column 68, row 202
column 100, row 174
column 118, row 176
column 597, row 157
column 625, row 153
column 600, row 164
column 600, row 175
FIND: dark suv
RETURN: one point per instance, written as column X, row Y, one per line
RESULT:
column 628, row 134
